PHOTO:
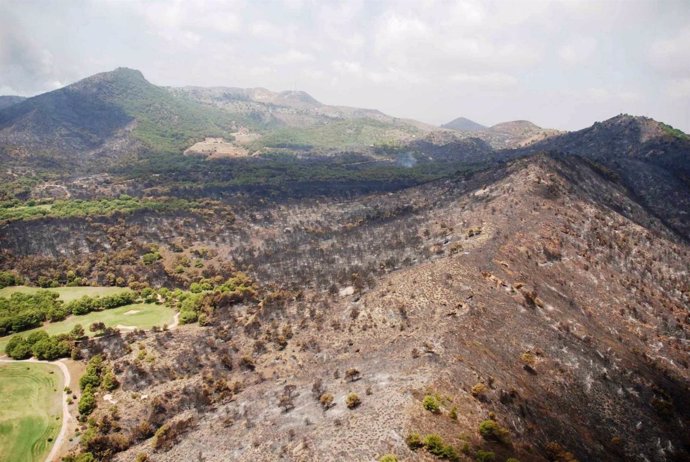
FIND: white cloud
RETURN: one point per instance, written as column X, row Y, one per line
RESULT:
column 388, row 75
column 495, row 80
column 671, row 55
column 265, row 30
column 605, row 95
column 418, row 58
column 679, row 88
column 174, row 19
column 290, row 57
column 577, row 51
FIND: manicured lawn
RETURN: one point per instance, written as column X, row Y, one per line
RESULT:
column 67, row 294
column 30, row 410
column 141, row 315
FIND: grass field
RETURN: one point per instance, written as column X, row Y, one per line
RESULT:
column 30, row 410
column 67, row 294
column 141, row 315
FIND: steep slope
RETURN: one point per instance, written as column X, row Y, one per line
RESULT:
column 465, row 125
column 517, row 294
column 649, row 158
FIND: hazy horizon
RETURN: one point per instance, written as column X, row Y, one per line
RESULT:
column 559, row 64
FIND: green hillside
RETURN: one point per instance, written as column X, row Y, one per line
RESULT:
column 340, row 134
column 165, row 122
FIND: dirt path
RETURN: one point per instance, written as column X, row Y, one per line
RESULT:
column 66, row 417
column 176, row 321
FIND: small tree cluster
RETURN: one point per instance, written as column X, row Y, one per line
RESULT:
column 97, row 375
column 39, row 344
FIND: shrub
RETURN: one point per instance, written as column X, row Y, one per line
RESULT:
column 352, row 374
column 8, row 279
column 326, row 401
column 188, row 317
column 557, row 453
column 92, row 376
column 431, row 404
column 150, row 258
column 414, row 441
column 388, row 458
column 286, row 399
column 109, row 381
column 528, row 358
column 490, row 430
column 512, row 459
column 77, row 332
column 18, row 348
column 352, row 401
column 435, row 445
column 87, row 402
column 247, row 363
column 485, row 456
column 161, row 435
column 478, row 390
column 51, row 348
column 453, row 413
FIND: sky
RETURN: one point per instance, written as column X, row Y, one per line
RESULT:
column 561, row 64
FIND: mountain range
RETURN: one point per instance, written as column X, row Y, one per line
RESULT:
column 354, row 286
column 120, row 114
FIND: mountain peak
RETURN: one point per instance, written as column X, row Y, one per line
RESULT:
column 464, row 124
column 298, row 97
column 515, row 127
column 122, row 78
column 643, row 127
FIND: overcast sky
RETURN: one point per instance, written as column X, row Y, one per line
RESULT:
column 559, row 64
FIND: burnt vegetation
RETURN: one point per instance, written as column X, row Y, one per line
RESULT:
column 350, row 308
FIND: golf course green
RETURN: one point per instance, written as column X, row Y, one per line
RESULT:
column 139, row 315
column 30, row 410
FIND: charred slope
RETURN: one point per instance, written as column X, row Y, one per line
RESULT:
column 649, row 158
column 537, row 305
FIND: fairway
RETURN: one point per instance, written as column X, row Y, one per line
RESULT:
column 140, row 315
column 30, row 410
column 67, row 294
